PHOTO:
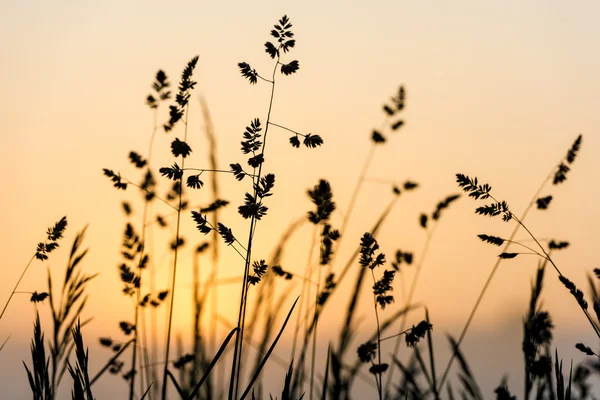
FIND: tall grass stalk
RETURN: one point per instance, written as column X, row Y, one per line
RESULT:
column 54, row 233
column 378, row 377
column 239, row 338
column 430, row 223
column 409, row 301
column 305, row 299
column 174, row 272
column 488, row 281
column 553, row 174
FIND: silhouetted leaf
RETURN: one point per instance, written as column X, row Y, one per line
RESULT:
column 180, row 148
column 495, row 240
column 423, row 220
column 238, row 172
column 561, row 173
column 557, row 245
column 287, row 45
column 115, row 178
column 214, row 206
column 312, row 141
column 137, row 160
column 493, row 209
column 201, row 223
column 252, row 208
column 271, row 49
column 584, row 349
column 367, row 352
column 38, row 297
column 251, row 142
column 543, row 202
column 321, row 195
column 572, row 153
column 377, row 369
column 126, row 327
column 126, row 208
column 174, row 172
column 248, row 72
column 397, row 125
column 226, row 234
column 294, row 141
column 194, row 182
column 471, row 186
column 290, row 68
column 267, row 183
column 255, row 161
column 377, row 137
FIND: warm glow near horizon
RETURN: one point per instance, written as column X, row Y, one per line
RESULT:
column 497, row 90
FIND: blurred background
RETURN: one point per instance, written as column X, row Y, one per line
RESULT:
column 497, row 90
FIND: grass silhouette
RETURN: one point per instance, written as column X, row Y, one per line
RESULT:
column 267, row 288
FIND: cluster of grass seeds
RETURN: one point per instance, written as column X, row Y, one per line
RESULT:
column 253, row 209
column 194, row 374
column 50, row 357
column 51, row 243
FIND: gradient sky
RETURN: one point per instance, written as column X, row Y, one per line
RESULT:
column 494, row 89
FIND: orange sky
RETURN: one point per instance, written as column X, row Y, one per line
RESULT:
column 496, row 89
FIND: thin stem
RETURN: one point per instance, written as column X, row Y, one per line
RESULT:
column 137, row 304
column 17, row 285
column 264, row 79
column 147, row 191
column 376, row 379
column 379, row 375
column 357, row 187
column 287, row 129
column 404, row 332
column 174, row 274
column 585, row 312
column 135, row 340
column 4, row 343
column 237, row 355
column 316, row 322
column 409, row 301
column 149, row 373
column 350, row 208
column 213, row 170
column 304, row 282
column 527, row 247
column 489, row 280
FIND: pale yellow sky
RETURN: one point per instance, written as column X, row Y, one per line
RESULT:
column 494, row 89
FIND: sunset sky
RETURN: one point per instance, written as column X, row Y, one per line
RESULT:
column 497, row 89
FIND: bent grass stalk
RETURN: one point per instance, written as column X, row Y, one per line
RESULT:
column 493, row 272
column 54, row 233
column 488, row 281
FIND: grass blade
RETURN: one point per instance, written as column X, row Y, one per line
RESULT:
column 146, row 392
column 176, row 384
column 264, row 361
column 326, row 378
column 212, row 363
column 431, row 358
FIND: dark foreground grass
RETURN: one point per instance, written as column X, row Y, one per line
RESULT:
column 269, row 293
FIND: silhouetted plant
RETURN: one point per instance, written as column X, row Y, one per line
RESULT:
column 54, row 234
column 39, row 375
column 481, row 191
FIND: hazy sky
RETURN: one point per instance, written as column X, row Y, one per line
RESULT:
column 496, row 89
